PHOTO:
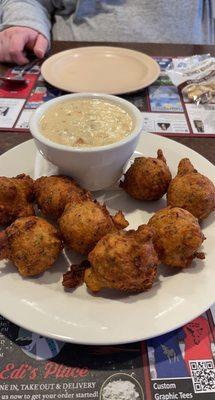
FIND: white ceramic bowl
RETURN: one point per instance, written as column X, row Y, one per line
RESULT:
column 94, row 168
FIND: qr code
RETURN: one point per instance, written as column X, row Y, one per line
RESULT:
column 203, row 375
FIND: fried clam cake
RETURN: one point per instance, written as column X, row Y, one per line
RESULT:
column 16, row 198
column 83, row 223
column 192, row 191
column 123, row 260
column 177, row 236
column 148, row 178
column 31, row 244
column 52, row 193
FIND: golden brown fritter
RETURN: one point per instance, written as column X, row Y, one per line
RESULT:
column 177, row 236
column 16, row 197
column 192, row 191
column 31, row 244
column 147, row 178
column 124, row 260
column 83, row 223
column 52, row 193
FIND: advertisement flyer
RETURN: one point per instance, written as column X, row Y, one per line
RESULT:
column 36, row 368
column 165, row 123
column 9, row 111
column 174, row 366
column 202, row 118
column 165, row 98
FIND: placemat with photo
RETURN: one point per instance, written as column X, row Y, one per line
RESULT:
column 166, row 112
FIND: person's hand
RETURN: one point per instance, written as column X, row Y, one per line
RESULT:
column 15, row 41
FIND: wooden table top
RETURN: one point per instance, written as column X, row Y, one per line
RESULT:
column 204, row 146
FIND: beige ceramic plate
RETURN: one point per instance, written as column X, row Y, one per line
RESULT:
column 112, row 70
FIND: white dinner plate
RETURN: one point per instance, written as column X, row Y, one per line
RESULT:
column 41, row 304
column 100, row 69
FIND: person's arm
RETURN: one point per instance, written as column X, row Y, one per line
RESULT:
column 34, row 14
column 24, row 25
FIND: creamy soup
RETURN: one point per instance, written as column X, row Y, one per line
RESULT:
column 85, row 123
